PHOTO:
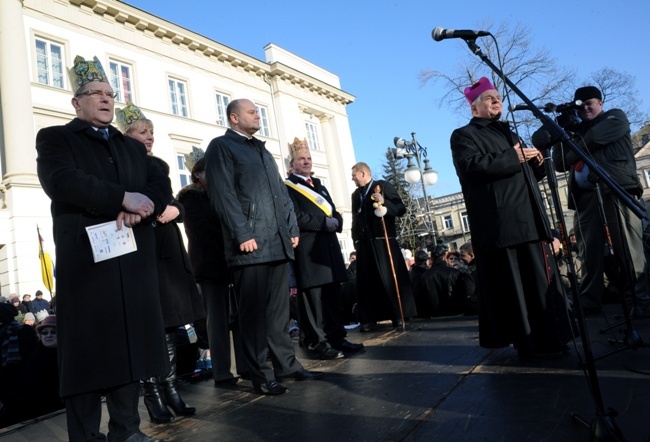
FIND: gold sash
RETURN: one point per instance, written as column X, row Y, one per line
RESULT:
column 312, row 196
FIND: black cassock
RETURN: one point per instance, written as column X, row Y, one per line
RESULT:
column 375, row 283
column 520, row 294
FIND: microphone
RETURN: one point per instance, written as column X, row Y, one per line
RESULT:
column 521, row 107
column 548, row 107
column 442, row 34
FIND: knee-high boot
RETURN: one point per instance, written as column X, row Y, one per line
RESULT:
column 168, row 382
column 155, row 402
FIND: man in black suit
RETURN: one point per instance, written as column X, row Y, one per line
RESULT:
column 260, row 233
column 319, row 266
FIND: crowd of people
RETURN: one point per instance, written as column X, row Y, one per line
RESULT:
column 263, row 259
column 28, row 369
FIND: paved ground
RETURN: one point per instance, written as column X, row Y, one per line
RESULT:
column 431, row 383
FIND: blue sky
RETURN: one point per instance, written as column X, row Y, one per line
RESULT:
column 378, row 48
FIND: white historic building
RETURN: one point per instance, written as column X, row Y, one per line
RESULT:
column 182, row 81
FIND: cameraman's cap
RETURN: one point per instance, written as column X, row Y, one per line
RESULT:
column 585, row 93
column 472, row 92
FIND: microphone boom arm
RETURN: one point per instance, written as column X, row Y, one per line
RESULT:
column 557, row 133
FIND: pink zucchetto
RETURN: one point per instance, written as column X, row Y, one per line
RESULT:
column 473, row 91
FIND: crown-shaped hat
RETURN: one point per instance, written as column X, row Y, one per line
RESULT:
column 298, row 147
column 127, row 116
column 84, row 71
column 472, row 92
column 192, row 157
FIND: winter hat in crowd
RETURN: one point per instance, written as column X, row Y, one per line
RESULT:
column 15, row 299
column 49, row 321
column 585, row 93
column 7, row 313
column 28, row 316
column 472, row 92
column 3, row 300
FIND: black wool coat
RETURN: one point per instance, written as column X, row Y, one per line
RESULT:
column 504, row 204
column 319, row 260
column 109, row 321
column 179, row 297
column 204, row 236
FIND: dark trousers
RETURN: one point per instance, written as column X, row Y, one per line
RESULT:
column 263, row 295
column 217, row 307
column 84, row 413
column 626, row 232
column 321, row 313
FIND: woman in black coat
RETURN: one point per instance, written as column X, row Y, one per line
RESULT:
column 213, row 277
column 179, row 298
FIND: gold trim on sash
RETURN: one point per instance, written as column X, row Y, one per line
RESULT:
column 312, row 196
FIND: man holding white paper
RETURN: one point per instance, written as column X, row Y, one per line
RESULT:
column 110, row 328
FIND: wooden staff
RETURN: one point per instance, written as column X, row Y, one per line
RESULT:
column 380, row 211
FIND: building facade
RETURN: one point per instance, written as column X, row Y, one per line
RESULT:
column 182, row 81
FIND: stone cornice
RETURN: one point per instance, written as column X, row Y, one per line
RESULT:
column 150, row 25
column 286, row 73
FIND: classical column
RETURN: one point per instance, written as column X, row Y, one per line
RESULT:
column 17, row 122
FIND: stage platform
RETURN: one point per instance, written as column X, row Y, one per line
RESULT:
column 430, row 383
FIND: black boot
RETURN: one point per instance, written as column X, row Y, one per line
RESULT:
column 168, row 382
column 155, row 402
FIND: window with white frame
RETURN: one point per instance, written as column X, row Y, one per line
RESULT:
column 121, row 80
column 465, row 220
column 49, row 63
column 264, row 121
column 222, row 105
column 448, row 222
column 312, row 135
column 184, row 175
column 178, row 97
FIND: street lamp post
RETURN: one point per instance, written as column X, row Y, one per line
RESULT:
column 414, row 173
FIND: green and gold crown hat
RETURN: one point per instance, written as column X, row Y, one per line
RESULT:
column 298, row 147
column 128, row 115
column 84, row 71
column 193, row 157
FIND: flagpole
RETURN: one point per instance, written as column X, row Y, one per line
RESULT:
column 44, row 269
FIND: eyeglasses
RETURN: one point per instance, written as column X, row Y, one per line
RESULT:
column 47, row 332
column 96, row 93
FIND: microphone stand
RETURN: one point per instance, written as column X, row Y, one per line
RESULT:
column 603, row 427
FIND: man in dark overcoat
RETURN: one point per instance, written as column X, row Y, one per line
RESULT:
column 378, row 298
column 260, row 233
column 510, row 232
column 110, row 330
column 319, row 266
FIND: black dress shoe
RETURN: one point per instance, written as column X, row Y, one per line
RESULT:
column 302, row 375
column 227, row 382
column 326, row 352
column 368, row 327
column 141, row 437
column 272, row 388
column 397, row 322
column 539, row 355
column 348, row 347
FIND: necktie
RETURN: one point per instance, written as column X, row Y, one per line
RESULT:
column 310, row 182
column 104, row 133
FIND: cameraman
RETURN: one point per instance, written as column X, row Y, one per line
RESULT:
column 605, row 137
